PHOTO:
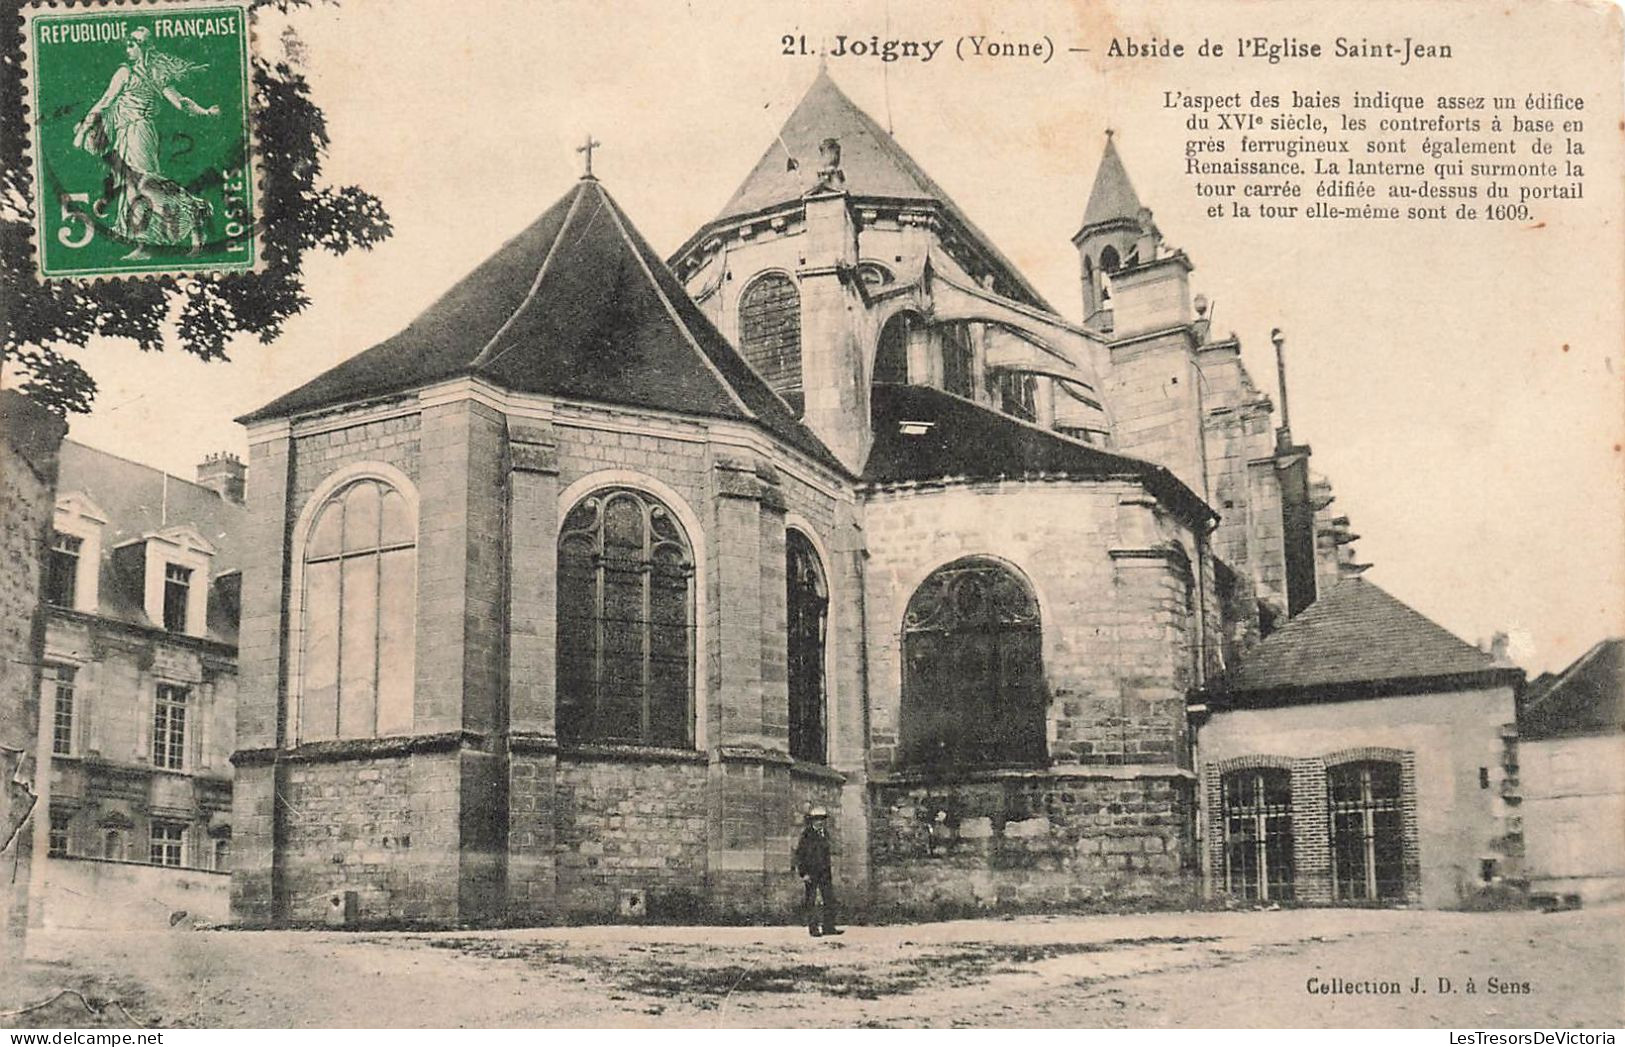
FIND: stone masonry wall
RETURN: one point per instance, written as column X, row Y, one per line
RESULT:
column 1028, row 840
column 385, row 828
column 630, row 825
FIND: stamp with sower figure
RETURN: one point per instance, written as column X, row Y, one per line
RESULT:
column 142, row 149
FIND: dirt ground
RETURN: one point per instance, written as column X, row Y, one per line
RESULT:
column 1208, row 969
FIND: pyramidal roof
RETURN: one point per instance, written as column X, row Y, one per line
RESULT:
column 1113, row 196
column 874, row 164
column 1358, row 641
column 577, row 305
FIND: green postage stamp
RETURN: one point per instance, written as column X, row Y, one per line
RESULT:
column 142, row 149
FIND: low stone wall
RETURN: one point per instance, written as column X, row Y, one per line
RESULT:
column 107, row 895
column 1015, row 840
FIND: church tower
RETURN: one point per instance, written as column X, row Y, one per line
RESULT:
column 839, row 265
column 1136, row 293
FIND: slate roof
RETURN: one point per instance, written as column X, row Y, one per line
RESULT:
column 577, row 305
column 138, row 501
column 1357, row 641
column 1113, row 196
column 1586, row 698
column 874, row 164
column 966, row 440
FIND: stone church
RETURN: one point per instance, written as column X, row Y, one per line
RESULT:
column 568, row 600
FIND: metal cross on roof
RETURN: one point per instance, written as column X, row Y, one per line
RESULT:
column 586, row 149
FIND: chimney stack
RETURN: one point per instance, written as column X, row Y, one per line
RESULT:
column 1283, row 434
column 225, row 474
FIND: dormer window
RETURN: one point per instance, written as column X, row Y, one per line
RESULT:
column 73, row 563
column 174, row 567
column 62, row 570
column 177, row 594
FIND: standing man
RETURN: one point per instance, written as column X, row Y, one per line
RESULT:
column 812, row 863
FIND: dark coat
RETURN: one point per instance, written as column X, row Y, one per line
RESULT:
column 812, row 854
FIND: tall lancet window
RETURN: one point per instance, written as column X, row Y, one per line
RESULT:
column 358, row 617
column 806, row 619
column 973, row 677
column 770, row 334
column 625, row 623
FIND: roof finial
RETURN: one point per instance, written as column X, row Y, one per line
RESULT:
column 586, row 148
column 1109, row 133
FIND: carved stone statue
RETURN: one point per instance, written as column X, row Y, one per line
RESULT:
column 830, row 177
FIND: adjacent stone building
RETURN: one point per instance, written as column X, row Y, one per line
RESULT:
column 569, row 599
column 1361, row 754
column 1571, row 729
column 29, row 440
column 139, row 691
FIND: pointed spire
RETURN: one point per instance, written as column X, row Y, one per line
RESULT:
column 1113, row 197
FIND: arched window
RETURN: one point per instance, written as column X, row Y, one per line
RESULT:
column 973, row 692
column 1258, row 833
column 891, row 354
column 1109, row 260
column 625, row 622
column 807, row 614
column 1367, row 837
column 770, row 334
column 359, row 611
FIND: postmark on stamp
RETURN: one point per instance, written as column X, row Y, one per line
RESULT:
column 141, row 143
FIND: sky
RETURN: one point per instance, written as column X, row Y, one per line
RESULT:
column 1460, row 383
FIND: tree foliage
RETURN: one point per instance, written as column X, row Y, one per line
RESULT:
column 298, row 212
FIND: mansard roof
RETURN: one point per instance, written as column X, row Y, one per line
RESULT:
column 1357, row 641
column 875, row 167
column 922, row 434
column 579, row 306
column 1586, row 698
column 1113, row 197
column 139, row 501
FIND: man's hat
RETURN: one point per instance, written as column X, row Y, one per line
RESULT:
column 816, row 812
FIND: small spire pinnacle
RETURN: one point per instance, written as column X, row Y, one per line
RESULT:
column 586, row 149
column 1113, row 197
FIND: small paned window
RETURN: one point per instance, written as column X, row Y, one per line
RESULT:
column 168, row 843
column 59, row 833
column 1018, row 395
column 1367, row 839
column 1258, row 833
column 113, row 845
column 58, row 680
column 177, row 590
column 169, row 727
